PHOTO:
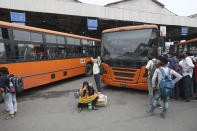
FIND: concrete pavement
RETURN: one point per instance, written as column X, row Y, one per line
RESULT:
column 53, row 108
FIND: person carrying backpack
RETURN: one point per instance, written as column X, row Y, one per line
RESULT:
column 163, row 75
column 149, row 71
column 10, row 93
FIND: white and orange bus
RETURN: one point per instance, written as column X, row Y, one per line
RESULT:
column 189, row 45
column 124, row 54
column 42, row 56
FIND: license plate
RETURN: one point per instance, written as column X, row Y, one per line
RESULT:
column 123, row 85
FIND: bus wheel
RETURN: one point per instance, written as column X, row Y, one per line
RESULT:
column 1, row 97
column 88, row 69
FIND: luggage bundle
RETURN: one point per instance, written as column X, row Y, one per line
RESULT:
column 102, row 100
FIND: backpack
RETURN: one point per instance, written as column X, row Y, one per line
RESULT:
column 166, row 84
column 17, row 83
column 152, row 71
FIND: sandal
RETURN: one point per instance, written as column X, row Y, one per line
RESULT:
column 14, row 114
column 9, row 117
column 79, row 110
column 4, row 112
column 94, row 108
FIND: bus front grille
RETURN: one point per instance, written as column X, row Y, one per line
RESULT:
column 123, row 79
column 120, row 74
column 127, row 70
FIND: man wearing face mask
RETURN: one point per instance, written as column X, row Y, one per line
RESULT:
column 187, row 72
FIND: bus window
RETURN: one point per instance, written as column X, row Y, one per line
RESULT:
column 50, row 38
column 26, row 52
column 2, row 52
column 60, row 40
column 52, row 52
column 79, row 51
column 39, row 52
column 55, row 52
column 36, row 37
column 70, row 41
column 89, row 42
column 4, row 33
column 77, row 41
column 193, row 48
column 61, row 52
column 84, row 42
column 21, row 35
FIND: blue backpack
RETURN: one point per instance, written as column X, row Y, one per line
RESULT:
column 166, row 84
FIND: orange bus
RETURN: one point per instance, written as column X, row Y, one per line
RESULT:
column 42, row 56
column 189, row 45
column 124, row 53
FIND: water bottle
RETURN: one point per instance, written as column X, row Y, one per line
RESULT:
column 12, row 88
column 11, row 84
column 90, row 106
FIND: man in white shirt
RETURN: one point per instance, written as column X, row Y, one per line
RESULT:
column 187, row 72
column 96, row 71
column 149, row 71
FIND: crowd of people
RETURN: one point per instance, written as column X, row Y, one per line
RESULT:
column 168, row 76
column 179, row 70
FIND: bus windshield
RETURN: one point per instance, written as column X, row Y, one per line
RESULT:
column 135, row 44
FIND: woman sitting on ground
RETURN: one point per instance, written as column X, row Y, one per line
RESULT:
column 87, row 93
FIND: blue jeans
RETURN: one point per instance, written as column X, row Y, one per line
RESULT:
column 155, row 101
column 98, row 81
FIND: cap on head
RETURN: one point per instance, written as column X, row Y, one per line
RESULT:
column 85, row 83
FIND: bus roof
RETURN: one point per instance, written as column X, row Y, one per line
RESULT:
column 130, row 28
column 44, row 30
column 185, row 42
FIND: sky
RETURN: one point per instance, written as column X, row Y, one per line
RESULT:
column 179, row 7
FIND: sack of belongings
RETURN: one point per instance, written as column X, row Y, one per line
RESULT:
column 102, row 100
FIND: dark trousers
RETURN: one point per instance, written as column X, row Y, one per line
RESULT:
column 176, row 91
column 98, row 81
column 187, row 87
column 81, row 105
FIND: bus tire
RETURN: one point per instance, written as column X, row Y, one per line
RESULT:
column 88, row 69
